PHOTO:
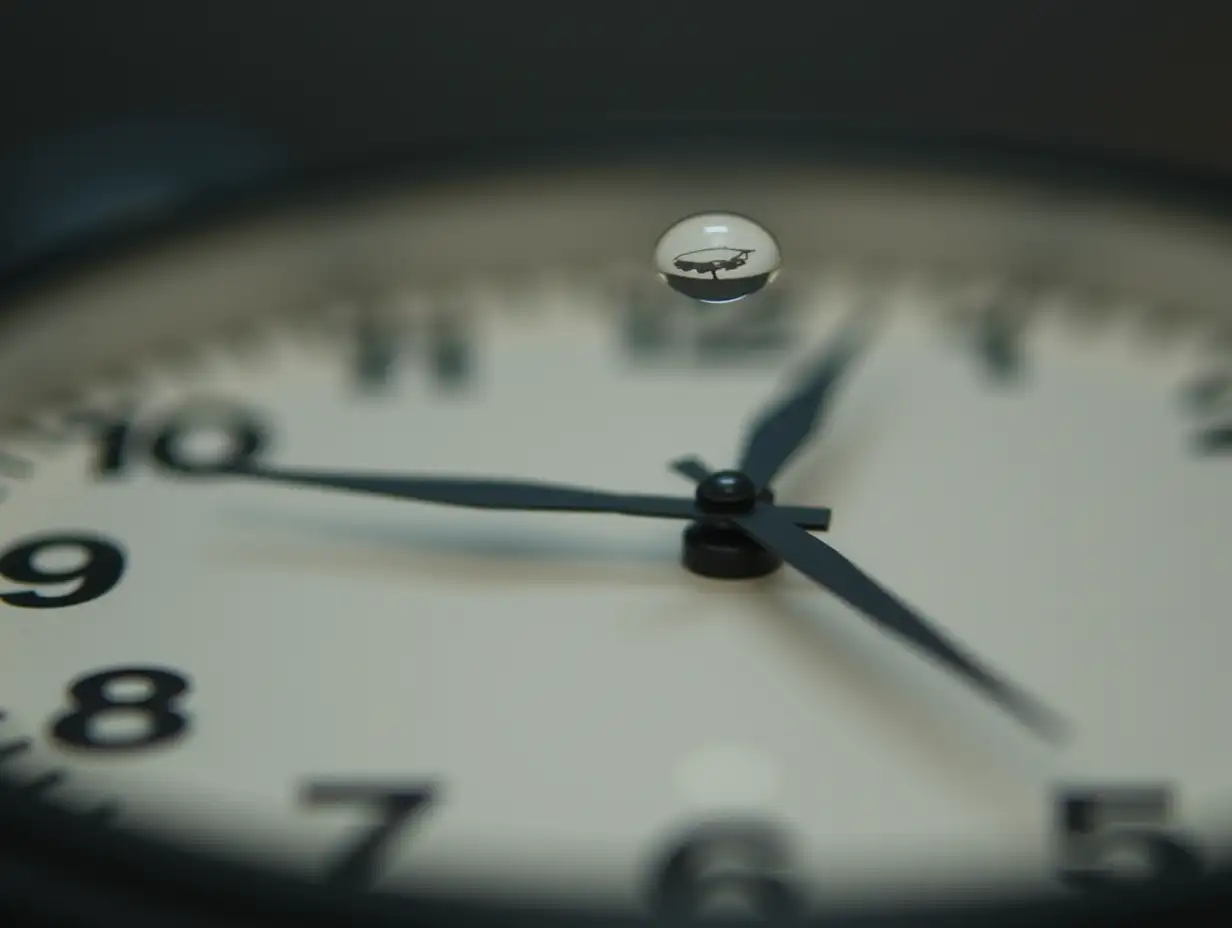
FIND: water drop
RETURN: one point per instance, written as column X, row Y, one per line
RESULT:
column 717, row 257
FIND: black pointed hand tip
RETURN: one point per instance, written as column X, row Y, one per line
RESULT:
column 1043, row 721
column 783, row 428
column 832, row 571
column 1029, row 711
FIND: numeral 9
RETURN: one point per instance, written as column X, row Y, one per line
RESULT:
column 98, row 573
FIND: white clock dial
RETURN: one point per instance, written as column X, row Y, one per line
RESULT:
column 1027, row 451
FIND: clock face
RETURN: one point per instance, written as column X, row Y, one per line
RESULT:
column 1027, row 447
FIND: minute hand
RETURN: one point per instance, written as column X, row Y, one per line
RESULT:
column 822, row 564
column 526, row 496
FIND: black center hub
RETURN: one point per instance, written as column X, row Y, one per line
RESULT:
column 715, row 547
column 726, row 491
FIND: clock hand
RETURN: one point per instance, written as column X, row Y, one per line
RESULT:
column 530, row 496
column 821, row 563
column 782, row 429
column 691, row 467
column 825, row 566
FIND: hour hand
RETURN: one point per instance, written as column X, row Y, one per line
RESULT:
column 782, row 429
column 521, row 495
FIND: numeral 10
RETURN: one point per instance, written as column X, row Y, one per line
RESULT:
column 239, row 435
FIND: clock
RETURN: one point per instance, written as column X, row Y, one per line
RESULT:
column 663, row 525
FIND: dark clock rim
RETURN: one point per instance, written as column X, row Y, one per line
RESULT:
column 1064, row 166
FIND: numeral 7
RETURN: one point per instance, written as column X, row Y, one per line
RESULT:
column 396, row 805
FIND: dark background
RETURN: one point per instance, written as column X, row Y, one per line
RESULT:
column 328, row 79
column 113, row 110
